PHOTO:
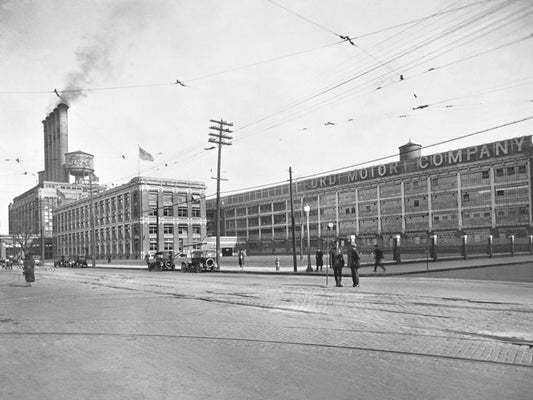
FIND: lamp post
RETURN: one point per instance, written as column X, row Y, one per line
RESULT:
column 306, row 210
column 330, row 228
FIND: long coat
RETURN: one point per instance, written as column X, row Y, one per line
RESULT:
column 29, row 269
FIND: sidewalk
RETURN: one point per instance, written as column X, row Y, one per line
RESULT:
column 260, row 265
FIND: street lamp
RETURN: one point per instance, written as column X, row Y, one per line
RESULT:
column 330, row 228
column 309, row 267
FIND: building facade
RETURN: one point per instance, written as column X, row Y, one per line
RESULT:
column 31, row 214
column 146, row 214
column 478, row 191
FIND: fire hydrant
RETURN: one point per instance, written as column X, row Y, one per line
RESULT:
column 277, row 263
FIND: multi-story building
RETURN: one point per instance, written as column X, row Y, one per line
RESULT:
column 30, row 214
column 478, row 191
column 146, row 214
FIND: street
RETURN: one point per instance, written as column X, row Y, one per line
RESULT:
column 108, row 334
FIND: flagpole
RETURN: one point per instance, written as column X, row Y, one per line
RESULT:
column 138, row 161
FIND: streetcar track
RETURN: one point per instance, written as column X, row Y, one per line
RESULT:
column 266, row 341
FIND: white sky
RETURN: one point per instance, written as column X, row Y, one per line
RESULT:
column 278, row 76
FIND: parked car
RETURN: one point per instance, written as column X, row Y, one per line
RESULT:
column 80, row 262
column 62, row 262
column 161, row 260
column 196, row 261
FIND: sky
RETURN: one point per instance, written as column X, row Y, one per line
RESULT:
column 312, row 85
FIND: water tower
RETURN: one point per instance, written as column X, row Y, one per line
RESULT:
column 80, row 165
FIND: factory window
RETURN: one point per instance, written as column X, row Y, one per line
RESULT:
column 347, row 211
column 168, row 244
column 499, row 172
column 435, row 182
column 466, row 197
column 416, row 203
column 500, row 193
column 521, row 169
column 510, row 171
column 485, row 174
column 152, row 204
column 487, row 214
column 368, row 208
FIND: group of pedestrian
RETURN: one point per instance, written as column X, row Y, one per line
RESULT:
column 354, row 262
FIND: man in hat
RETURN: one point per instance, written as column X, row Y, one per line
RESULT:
column 354, row 261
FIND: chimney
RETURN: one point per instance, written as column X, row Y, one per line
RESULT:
column 56, row 144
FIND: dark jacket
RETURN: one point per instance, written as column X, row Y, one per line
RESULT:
column 354, row 259
column 378, row 254
column 338, row 261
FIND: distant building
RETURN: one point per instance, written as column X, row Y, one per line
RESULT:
column 479, row 191
column 30, row 214
column 146, row 214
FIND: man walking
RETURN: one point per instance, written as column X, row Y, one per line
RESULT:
column 354, row 263
column 378, row 258
column 241, row 259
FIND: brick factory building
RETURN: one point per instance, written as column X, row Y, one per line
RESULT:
column 476, row 191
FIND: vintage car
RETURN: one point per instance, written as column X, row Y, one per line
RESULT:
column 62, row 262
column 80, row 262
column 161, row 260
column 196, row 261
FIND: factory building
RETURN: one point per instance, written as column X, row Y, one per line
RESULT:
column 146, row 214
column 476, row 191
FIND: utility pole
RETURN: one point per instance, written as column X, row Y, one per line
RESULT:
column 292, row 224
column 91, row 220
column 220, row 137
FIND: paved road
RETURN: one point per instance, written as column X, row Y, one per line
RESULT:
column 108, row 334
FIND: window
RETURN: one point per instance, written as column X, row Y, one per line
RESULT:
column 500, row 193
column 182, row 230
column 152, row 203
column 368, row 208
column 435, row 182
column 347, row 211
column 168, row 244
column 182, row 211
column 416, row 203
column 510, row 171
column 466, row 196
column 196, row 212
column 168, row 229
column 499, row 172
column 485, row 174
column 521, row 169
column 196, row 230
column 152, row 228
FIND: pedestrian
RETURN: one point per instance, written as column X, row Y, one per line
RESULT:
column 147, row 258
column 378, row 258
column 29, row 270
column 241, row 259
column 319, row 260
column 354, row 261
column 338, row 264
column 109, row 258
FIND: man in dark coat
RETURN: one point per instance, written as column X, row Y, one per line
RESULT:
column 29, row 269
column 354, row 261
column 338, row 264
column 319, row 260
column 378, row 258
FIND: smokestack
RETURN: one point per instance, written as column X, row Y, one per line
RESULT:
column 56, row 144
column 62, row 141
column 46, row 149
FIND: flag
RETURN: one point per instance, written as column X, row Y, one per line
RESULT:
column 144, row 155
